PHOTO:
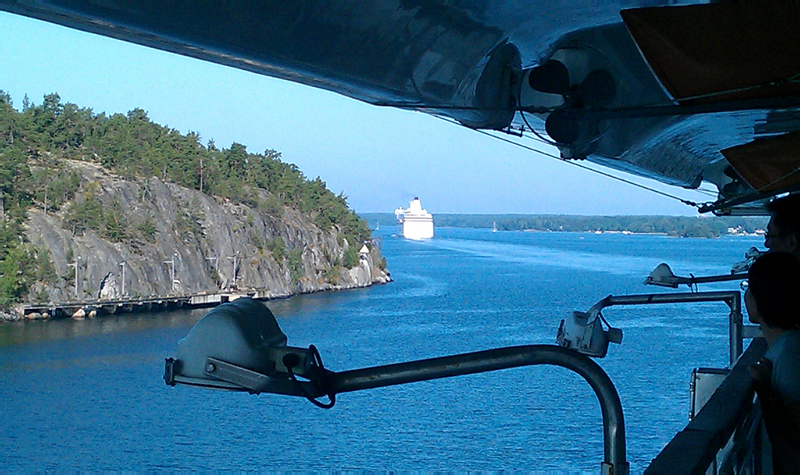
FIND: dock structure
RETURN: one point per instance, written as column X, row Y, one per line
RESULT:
column 91, row 308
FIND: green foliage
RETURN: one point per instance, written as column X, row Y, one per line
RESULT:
column 17, row 274
column 35, row 140
column 90, row 213
column 351, row 257
column 86, row 213
column 16, row 182
column 42, row 296
column 271, row 205
column 56, row 186
column 44, row 269
column 684, row 226
column 332, row 273
column 277, row 247
column 147, row 229
column 187, row 223
column 258, row 241
column 294, row 260
column 132, row 145
column 115, row 224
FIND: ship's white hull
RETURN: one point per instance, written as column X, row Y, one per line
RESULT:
column 417, row 223
column 418, row 227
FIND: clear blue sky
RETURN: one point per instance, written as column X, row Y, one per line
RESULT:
column 379, row 157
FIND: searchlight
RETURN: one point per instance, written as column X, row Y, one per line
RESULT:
column 238, row 346
column 663, row 276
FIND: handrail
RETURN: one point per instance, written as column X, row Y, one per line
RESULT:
column 732, row 298
column 695, row 448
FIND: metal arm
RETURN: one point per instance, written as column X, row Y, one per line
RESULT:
column 444, row 367
column 736, row 329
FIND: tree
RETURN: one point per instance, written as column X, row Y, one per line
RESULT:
column 235, row 160
column 34, row 142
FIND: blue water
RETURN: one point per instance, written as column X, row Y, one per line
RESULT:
column 89, row 395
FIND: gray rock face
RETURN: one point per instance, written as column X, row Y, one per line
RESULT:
column 198, row 239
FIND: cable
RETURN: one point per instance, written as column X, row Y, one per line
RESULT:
column 291, row 360
column 544, row 110
column 608, row 175
column 779, row 82
column 547, row 142
column 797, row 169
column 795, row 78
column 525, row 119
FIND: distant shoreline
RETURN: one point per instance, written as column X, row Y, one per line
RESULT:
column 674, row 226
column 628, row 233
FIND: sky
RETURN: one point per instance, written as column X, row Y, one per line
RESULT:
column 379, row 157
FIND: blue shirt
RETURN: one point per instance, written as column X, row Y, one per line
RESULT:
column 784, row 354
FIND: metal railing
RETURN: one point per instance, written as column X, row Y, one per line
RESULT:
column 737, row 331
column 725, row 436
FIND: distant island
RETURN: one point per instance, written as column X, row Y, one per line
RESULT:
column 679, row 226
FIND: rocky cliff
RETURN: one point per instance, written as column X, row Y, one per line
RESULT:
column 207, row 243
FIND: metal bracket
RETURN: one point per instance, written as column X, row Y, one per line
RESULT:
column 257, row 383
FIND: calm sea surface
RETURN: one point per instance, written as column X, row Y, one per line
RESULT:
column 89, row 395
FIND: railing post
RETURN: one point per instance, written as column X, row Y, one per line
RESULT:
column 733, row 298
column 735, row 328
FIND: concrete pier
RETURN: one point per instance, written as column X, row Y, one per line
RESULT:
column 91, row 308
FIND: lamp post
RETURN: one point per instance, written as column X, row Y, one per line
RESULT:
column 171, row 262
column 234, row 267
column 122, row 264
column 75, row 264
column 197, row 364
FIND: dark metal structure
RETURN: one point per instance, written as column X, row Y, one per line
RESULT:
column 330, row 383
column 682, row 92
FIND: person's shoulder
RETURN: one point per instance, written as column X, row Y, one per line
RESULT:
column 786, row 366
column 792, row 337
column 785, row 347
column 788, row 340
column 787, row 351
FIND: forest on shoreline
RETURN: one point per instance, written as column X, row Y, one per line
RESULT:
column 679, row 226
column 38, row 140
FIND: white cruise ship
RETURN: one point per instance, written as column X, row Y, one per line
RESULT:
column 417, row 223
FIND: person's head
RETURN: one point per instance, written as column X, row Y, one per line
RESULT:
column 783, row 230
column 773, row 291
